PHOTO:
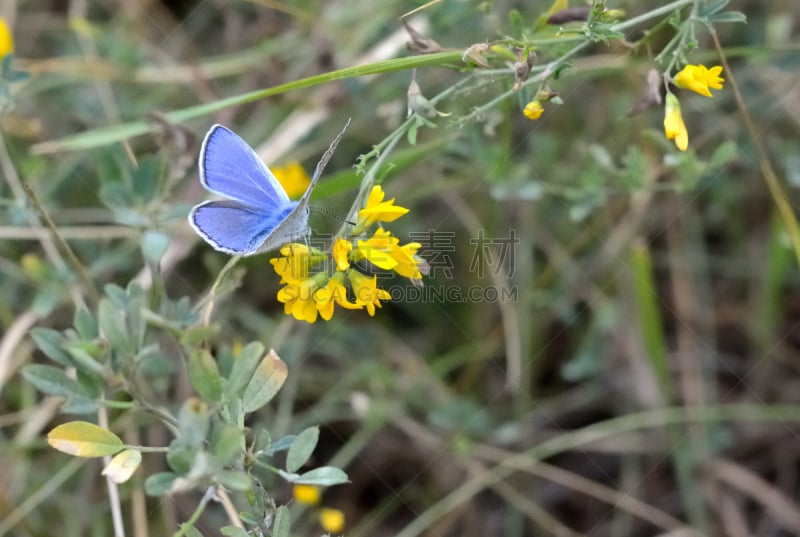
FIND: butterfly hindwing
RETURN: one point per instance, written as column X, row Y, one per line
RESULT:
column 236, row 228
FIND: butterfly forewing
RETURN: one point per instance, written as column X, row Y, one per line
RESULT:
column 229, row 167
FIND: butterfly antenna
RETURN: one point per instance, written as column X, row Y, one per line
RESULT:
column 330, row 214
column 329, row 153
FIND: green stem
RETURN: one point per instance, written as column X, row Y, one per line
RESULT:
column 116, row 133
column 213, row 291
column 65, row 247
column 196, row 515
column 124, row 405
column 148, row 449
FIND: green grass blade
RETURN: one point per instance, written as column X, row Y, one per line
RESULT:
column 116, row 133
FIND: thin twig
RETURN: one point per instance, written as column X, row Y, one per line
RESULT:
column 767, row 171
column 65, row 247
column 111, row 485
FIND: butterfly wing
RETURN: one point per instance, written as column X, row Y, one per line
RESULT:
column 229, row 167
column 238, row 229
column 295, row 225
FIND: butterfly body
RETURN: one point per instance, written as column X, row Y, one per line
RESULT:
column 257, row 215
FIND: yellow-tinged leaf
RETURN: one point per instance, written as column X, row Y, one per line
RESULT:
column 84, row 439
column 122, row 466
column 267, row 379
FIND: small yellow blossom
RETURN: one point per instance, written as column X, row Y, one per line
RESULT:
column 365, row 289
column 298, row 298
column 384, row 251
column 293, row 178
column 296, row 261
column 6, row 39
column 341, row 253
column 699, row 79
column 334, row 292
column 377, row 210
column 331, row 520
column 674, row 128
column 533, row 110
column 307, row 494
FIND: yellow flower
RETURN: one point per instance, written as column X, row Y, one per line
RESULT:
column 307, row 494
column 673, row 123
column 699, row 78
column 331, row 520
column 6, row 39
column 533, row 110
column 298, row 298
column 366, row 291
column 333, row 292
column 384, row 251
column 293, row 178
column 341, row 253
column 296, row 261
column 378, row 210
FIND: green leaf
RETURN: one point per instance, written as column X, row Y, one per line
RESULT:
column 53, row 381
column 263, row 440
column 243, row 368
column 227, row 443
column 45, row 301
column 85, row 323
column 50, row 343
column 267, row 379
column 709, row 7
column 196, row 335
column 283, row 522
column 159, row 484
column 85, row 361
column 235, row 480
column 84, row 439
column 112, row 324
column 76, row 404
column 154, row 244
column 193, row 422
column 204, row 375
column 117, row 295
column 180, row 456
column 728, row 16
column 302, row 448
column 324, row 476
column 282, row 444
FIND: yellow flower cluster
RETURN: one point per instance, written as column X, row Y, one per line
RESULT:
column 307, row 296
column 699, row 79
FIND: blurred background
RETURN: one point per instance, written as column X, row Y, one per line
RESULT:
column 608, row 340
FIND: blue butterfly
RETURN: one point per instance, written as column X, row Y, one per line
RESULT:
column 257, row 215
